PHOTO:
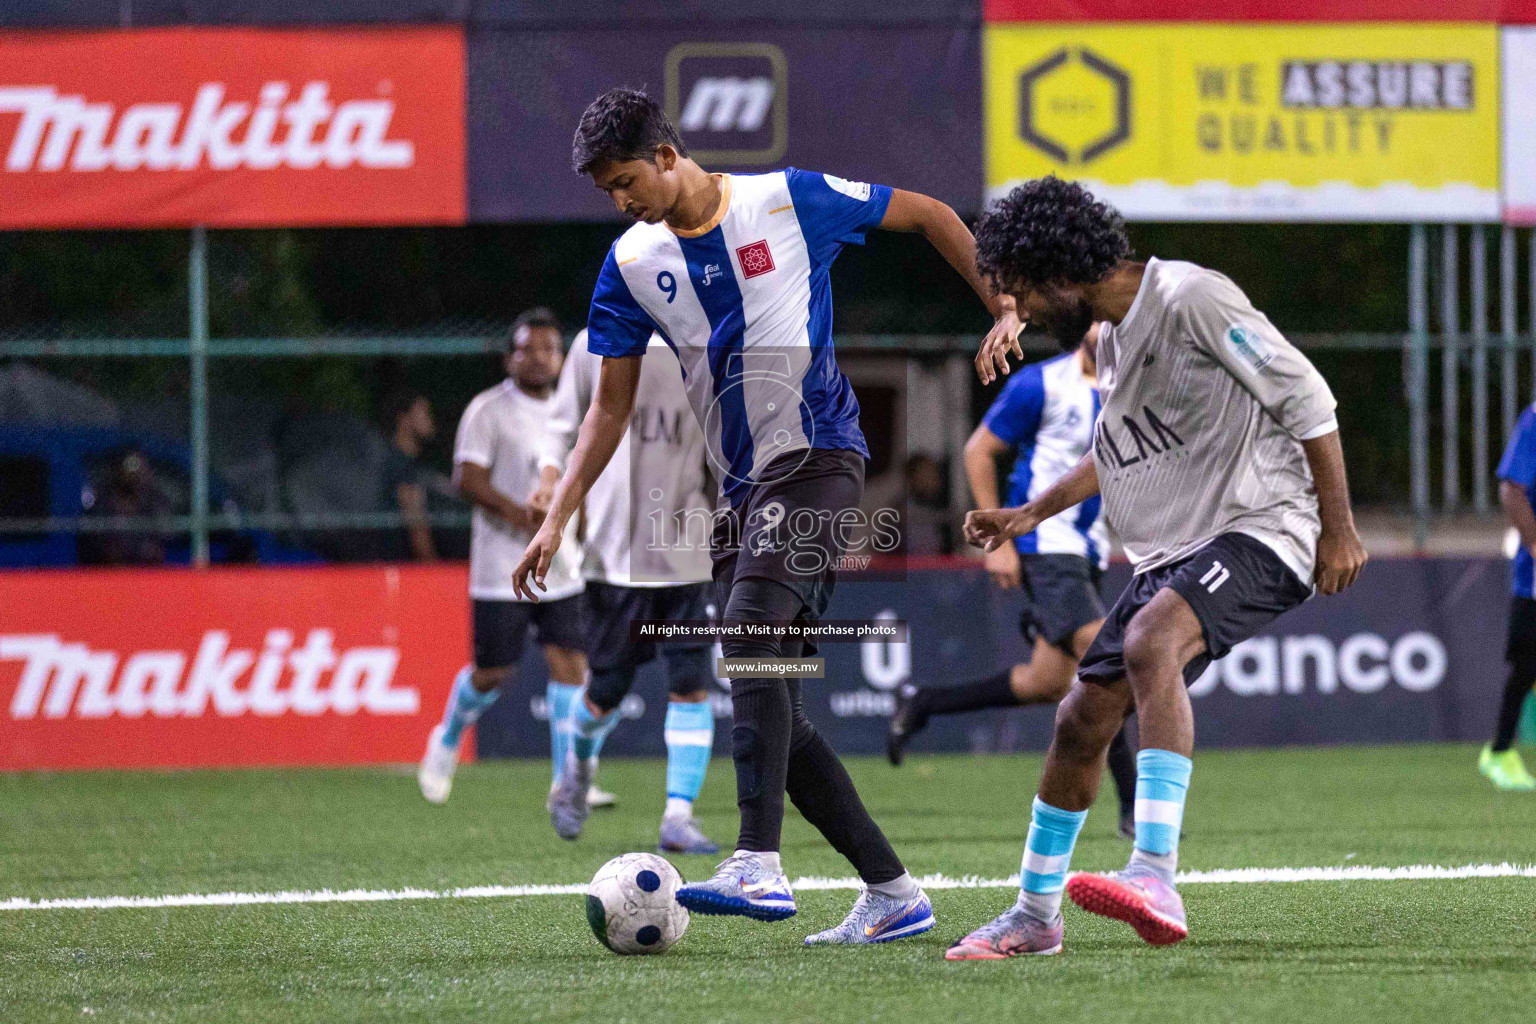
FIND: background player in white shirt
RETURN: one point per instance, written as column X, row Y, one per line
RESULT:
column 1044, row 418
column 495, row 463
column 734, row 272
column 1218, row 458
column 641, row 563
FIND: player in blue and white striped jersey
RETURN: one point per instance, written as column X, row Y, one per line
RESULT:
column 733, row 272
column 1045, row 419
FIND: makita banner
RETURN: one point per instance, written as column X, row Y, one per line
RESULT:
column 1413, row 652
column 182, row 668
column 231, row 127
column 895, row 105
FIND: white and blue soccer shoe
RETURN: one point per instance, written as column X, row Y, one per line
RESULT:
column 877, row 918
column 741, row 887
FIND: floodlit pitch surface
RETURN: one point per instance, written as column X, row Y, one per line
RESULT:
column 1394, row 950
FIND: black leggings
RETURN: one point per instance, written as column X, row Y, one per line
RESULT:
column 1520, row 652
column 777, row 750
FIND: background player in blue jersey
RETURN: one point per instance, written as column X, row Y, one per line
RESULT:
column 1517, row 492
column 733, row 272
column 1044, row 418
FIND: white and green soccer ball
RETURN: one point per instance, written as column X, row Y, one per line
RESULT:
column 632, row 905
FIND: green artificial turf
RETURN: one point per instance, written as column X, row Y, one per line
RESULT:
column 1394, row 951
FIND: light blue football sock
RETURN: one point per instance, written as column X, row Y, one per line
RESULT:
column 1047, row 854
column 588, row 730
column 1162, row 780
column 558, row 698
column 465, row 703
column 690, row 733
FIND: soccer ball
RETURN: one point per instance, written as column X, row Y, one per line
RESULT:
column 631, row 905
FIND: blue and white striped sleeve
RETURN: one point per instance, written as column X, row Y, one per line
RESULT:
column 834, row 212
column 616, row 325
column 1015, row 415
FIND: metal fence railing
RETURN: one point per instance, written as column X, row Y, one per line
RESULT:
column 1463, row 368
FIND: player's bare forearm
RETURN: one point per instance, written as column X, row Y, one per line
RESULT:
column 946, row 232
column 982, row 451
column 601, row 431
column 475, row 486
column 994, row 527
column 1076, row 486
column 1517, row 507
column 1340, row 555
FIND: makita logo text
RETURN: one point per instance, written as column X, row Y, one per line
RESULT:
column 301, row 130
column 60, row 680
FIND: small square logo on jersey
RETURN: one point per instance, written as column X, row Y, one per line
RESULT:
column 1251, row 348
column 755, row 259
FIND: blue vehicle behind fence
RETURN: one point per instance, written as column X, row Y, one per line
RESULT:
column 69, row 473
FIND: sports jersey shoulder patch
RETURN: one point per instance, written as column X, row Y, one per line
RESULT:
column 853, row 189
column 1250, row 348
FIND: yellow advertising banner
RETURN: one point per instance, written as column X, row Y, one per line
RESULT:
column 1354, row 122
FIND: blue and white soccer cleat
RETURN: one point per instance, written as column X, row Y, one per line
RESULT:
column 435, row 775
column 683, row 835
column 741, row 887
column 877, row 918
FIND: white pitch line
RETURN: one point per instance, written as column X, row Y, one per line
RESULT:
column 1227, row 876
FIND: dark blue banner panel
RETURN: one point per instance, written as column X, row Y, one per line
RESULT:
column 1414, row 652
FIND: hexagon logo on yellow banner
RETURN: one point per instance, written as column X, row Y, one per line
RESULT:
column 1378, row 122
column 1074, row 105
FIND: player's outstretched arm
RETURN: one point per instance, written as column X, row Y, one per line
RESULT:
column 601, row 431
column 982, row 450
column 942, row 226
column 1340, row 555
column 991, row 528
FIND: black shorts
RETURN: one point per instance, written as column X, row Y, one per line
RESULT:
column 501, row 628
column 1235, row 584
column 610, row 609
column 793, row 527
column 1061, row 596
column 1520, row 647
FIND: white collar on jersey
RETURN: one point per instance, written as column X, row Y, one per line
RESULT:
column 1146, row 283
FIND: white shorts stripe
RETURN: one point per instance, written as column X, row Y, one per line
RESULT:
column 1159, row 812
column 689, row 737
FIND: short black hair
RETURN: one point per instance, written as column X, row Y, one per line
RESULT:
column 622, row 124
column 538, row 316
column 397, row 402
column 1049, row 230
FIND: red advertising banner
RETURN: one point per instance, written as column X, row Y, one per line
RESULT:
column 232, row 127
column 163, row 668
column 1505, row 11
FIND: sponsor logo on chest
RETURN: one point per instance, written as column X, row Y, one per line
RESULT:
column 756, row 259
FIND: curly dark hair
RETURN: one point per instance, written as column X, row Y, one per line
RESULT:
column 622, row 124
column 1049, row 230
